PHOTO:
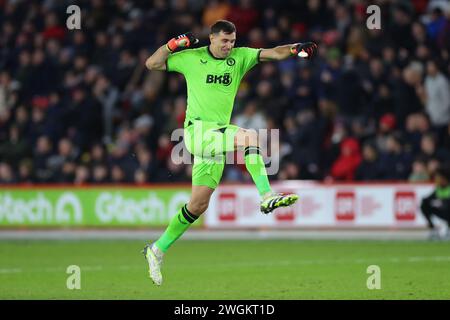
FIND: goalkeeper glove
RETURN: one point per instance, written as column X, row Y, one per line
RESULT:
column 305, row 50
column 182, row 41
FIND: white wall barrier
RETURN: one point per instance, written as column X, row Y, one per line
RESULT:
column 395, row 206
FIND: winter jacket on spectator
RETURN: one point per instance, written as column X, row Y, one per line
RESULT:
column 395, row 161
column 244, row 16
column 406, row 101
column 438, row 99
column 344, row 168
column 41, row 158
column 15, row 148
column 370, row 168
column 381, row 103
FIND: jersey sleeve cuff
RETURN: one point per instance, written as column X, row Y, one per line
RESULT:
column 258, row 59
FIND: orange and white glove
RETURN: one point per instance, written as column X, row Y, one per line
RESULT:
column 182, row 41
column 305, row 50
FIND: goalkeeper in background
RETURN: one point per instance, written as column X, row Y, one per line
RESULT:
column 213, row 74
column 437, row 204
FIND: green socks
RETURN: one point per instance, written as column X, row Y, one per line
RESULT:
column 183, row 219
column 255, row 165
column 177, row 226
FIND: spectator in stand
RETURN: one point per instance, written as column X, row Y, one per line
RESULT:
column 118, row 175
column 164, row 149
column 386, row 127
column 417, row 125
column 67, row 173
column 419, row 171
column 15, row 148
column 41, row 156
column 305, row 133
column 303, row 90
column 81, row 175
column 344, row 168
column 251, row 117
column 290, row 171
column 436, row 23
column 63, row 164
column 370, row 167
column 446, row 138
column 22, row 121
column 53, row 30
column 146, row 163
column 437, row 99
column 100, row 174
column 396, row 162
column 6, row 174
column 407, row 93
column 430, row 150
column 444, row 34
column 37, row 125
column 400, row 29
column 419, row 33
column 25, row 172
column 382, row 102
column 172, row 172
column 267, row 98
column 7, row 87
column 98, row 155
column 244, row 16
column 140, row 177
column 330, row 75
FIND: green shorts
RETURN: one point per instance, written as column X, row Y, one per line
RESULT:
column 208, row 142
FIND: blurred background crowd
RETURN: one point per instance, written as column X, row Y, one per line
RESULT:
column 78, row 106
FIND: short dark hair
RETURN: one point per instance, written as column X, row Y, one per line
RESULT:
column 223, row 25
column 444, row 171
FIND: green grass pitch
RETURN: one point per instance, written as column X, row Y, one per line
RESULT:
column 263, row 269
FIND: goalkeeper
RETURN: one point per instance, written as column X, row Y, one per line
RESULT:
column 437, row 204
column 213, row 74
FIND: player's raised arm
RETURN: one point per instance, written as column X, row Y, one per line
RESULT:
column 305, row 50
column 157, row 61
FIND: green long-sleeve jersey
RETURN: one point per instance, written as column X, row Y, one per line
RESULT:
column 212, row 83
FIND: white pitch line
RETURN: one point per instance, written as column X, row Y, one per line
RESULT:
column 14, row 270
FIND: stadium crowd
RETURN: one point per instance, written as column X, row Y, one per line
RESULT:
column 78, row 106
